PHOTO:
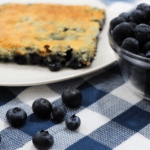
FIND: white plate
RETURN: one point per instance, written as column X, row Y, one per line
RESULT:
column 16, row 75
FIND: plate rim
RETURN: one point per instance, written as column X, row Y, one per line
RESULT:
column 85, row 71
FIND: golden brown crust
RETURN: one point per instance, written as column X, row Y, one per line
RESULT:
column 38, row 25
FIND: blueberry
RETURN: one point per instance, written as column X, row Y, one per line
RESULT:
column 141, row 6
column 75, row 64
column 131, row 44
column 69, row 55
column 141, row 54
column 136, row 16
column 148, row 54
column 142, row 33
column 122, row 31
column 116, row 21
column 34, row 58
column 54, row 66
column 20, row 59
column 16, row 116
column 146, row 12
column 66, row 29
column 43, row 140
column 42, row 108
column 59, row 113
column 28, row 48
column 126, row 16
column 133, row 24
column 44, row 61
column 73, row 122
column 146, row 47
column 72, row 97
column 5, row 59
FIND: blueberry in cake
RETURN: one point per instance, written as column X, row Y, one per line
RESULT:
column 47, row 34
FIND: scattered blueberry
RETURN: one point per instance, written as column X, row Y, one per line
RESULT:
column 126, row 16
column 141, row 6
column 73, row 122
column 146, row 47
column 16, row 116
column 72, row 97
column 116, row 21
column 43, row 140
column 148, row 54
column 122, row 31
column 146, row 12
column 141, row 54
column 59, row 113
column 131, row 44
column 54, row 66
column 133, row 24
column 136, row 16
column 142, row 33
column 42, row 107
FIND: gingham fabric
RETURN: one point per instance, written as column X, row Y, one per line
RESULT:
column 112, row 117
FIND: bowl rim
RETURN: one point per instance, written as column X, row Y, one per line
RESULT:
column 126, row 52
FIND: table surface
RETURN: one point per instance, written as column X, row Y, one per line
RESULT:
column 112, row 117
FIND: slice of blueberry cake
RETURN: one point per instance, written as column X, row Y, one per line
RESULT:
column 47, row 34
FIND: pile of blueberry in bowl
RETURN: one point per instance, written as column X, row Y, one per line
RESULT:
column 129, row 37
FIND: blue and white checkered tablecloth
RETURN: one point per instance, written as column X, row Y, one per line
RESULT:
column 112, row 117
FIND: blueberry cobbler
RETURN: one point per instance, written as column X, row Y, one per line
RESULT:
column 49, row 35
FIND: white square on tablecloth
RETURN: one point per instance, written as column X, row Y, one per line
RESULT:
column 136, row 142
column 28, row 146
column 29, row 95
column 90, row 121
column 3, row 125
column 126, row 94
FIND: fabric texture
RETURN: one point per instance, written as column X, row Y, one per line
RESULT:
column 112, row 117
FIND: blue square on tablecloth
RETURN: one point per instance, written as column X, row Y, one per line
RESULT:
column 35, row 124
column 88, row 144
column 90, row 94
column 107, row 81
column 64, row 137
column 12, row 139
column 111, row 134
column 110, row 106
column 134, row 118
column 145, row 131
column 144, row 104
column 5, row 95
